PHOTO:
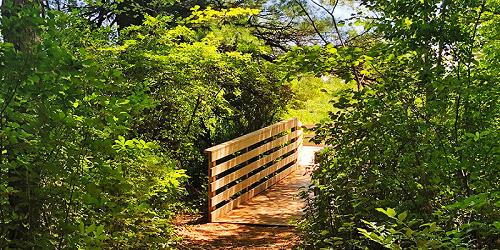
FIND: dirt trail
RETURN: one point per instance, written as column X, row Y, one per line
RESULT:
column 237, row 236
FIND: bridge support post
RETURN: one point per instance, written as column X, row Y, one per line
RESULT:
column 211, row 192
column 300, row 140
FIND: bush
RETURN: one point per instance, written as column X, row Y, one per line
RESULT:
column 421, row 137
column 69, row 179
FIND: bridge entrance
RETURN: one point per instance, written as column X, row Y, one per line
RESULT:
column 257, row 178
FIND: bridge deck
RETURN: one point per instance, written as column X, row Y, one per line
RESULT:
column 281, row 203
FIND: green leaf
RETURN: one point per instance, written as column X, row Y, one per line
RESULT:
column 34, row 78
column 81, row 227
column 408, row 232
column 99, row 230
column 407, row 22
column 402, row 216
column 391, row 212
column 90, row 229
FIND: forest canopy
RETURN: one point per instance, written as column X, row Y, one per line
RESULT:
column 106, row 108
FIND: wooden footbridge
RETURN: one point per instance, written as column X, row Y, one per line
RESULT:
column 257, row 178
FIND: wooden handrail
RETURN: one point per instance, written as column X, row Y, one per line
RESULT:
column 243, row 167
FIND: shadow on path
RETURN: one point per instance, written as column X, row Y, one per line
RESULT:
column 238, row 236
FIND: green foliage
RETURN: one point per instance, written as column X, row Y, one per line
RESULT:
column 312, row 96
column 400, row 233
column 209, row 82
column 100, row 129
column 421, row 136
column 65, row 181
column 103, row 119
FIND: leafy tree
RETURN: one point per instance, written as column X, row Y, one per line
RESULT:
column 209, row 81
column 67, row 177
column 422, row 134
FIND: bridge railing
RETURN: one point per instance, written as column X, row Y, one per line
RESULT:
column 242, row 168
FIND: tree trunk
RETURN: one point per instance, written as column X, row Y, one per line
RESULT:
column 17, row 29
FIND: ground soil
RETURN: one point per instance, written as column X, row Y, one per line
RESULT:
column 197, row 234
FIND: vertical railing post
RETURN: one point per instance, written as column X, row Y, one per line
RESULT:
column 301, row 137
column 211, row 192
column 247, row 175
column 297, row 126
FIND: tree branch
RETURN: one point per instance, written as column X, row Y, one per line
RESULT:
column 311, row 20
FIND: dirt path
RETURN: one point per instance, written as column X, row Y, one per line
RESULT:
column 237, row 236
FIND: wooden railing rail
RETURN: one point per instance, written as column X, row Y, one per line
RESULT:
column 243, row 167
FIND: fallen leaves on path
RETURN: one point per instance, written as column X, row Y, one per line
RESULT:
column 236, row 236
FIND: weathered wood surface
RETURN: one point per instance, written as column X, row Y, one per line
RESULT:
column 280, row 204
column 246, row 166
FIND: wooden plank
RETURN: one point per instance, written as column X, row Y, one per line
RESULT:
column 276, row 205
column 247, row 140
column 255, row 152
column 251, row 193
column 291, row 122
column 221, row 182
column 243, row 143
column 226, row 194
column 211, row 192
